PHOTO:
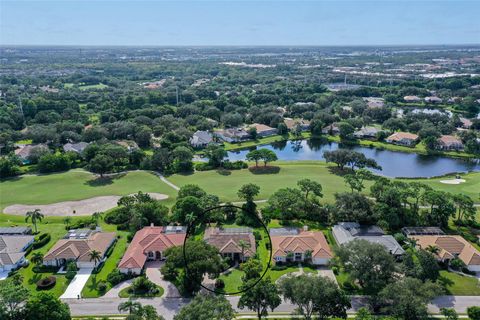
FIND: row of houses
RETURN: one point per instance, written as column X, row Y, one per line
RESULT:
column 14, row 243
column 445, row 142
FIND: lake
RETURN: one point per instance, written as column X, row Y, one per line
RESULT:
column 394, row 163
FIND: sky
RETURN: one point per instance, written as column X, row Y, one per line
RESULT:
column 240, row 22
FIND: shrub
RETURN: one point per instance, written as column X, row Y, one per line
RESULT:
column 143, row 285
column 115, row 277
column 348, row 286
column 70, row 275
column 279, row 267
column 474, row 313
column 101, row 286
column 219, row 284
column 457, row 264
column 236, row 165
column 46, row 283
column 41, row 240
column 204, row 166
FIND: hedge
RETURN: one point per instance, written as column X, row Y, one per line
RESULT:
column 42, row 240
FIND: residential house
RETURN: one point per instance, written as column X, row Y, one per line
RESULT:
column 201, row 139
column 466, row 123
column 433, row 99
column 77, row 245
column 374, row 102
column 130, row 145
column 411, row 99
column 263, row 130
column 232, row 135
column 15, row 231
column 149, row 244
column 345, row 232
column 366, row 132
column 402, row 138
column 447, row 142
column 451, row 247
column 12, row 251
column 422, row 231
column 75, row 147
column 25, row 150
column 292, row 244
column 292, row 124
column 332, row 129
column 229, row 242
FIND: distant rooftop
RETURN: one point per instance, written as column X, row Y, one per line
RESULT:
column 411, row 231
column 15, row 230
column 284, row 231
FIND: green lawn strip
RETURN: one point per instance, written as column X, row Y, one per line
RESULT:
column 459, row 285
column 233, row 281
column 78, row 185
column 90, row 290
column 124, row 293
column 99, row 86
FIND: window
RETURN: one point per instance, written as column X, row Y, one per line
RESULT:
column 298, row 256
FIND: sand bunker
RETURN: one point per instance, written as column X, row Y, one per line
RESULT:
column 453, row 181
column 81, row 207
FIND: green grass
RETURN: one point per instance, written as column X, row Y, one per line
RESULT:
column 99, row 86
column 77, row 185
column 233, row 281
column 459, row 285
column 124, row 293
column 226, row 186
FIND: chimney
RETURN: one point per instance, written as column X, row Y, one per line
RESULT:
column 151, row 225
column 305, row 228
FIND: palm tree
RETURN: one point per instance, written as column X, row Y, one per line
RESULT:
column 243, row 246
column 37, row 258
column 96, row 216
column 67, row 222
column 35, row 216
column 433, row 249
column 130, row 306
column 95, row 256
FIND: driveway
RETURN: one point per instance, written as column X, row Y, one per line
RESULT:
column 152, row 270
column 115, row 290
column 75, row 287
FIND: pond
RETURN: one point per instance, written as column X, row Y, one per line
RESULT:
column 394, row 163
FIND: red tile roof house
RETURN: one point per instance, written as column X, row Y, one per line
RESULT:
column 294, row 245
column 77, row 245
column 227, row 241
column 403, row 138
column 263, row 130
column 450, row 143
column 149, row 244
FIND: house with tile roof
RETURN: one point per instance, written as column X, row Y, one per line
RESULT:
column 12, row 251
column 403, row 138
column 149, row 244
column 232, row 135
column 292, row 124
column 24, row 151
column 332, row 129
column 228, row 242
column 447, row 142
column 299, row 245
column 263, row 130
column 77, row 245
column 451, row 247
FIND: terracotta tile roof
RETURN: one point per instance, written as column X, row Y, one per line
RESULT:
column 397, row 136
column 227, row 240
column 292, row 123
column 449, row 140
column 261, row 127
column 79, row 249
column 305, row 240
column 451, row 246
column 149, row 239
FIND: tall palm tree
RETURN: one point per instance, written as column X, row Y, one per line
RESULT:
column 35, row 216
column 95, row 256
column 67, row 222
column 433, row 249
column 37, row 258
column 130, row 306
column 243, row 246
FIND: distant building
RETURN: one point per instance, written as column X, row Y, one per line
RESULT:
column 201, row 139
column 24, row 151
column 403, row 138
column 466, row 123
column 447, row 142
column 374, row 102
column 411, row 99
column 292, row 124
column 12, row 251
column 366, row 132
column 11, row 231
column 422, row 231
column 291, row 245
column 433, row 99
column 130, row 145
column 149, row 244
column 232, row 135
column 227, row 241
column 263, row 130
column 332, row 129
column 345, row 232
column 451, row 247
column 75, row 147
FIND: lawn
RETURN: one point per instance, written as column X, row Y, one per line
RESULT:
column 459, row 285
column 99, row 86
column 77, row 185
column 124, row 293
column 226, row 186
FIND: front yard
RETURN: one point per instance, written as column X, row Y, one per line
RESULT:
column 459, row 285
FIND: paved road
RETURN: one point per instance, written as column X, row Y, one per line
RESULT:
column 75, row 287
column 152, row 271
column 168, row 307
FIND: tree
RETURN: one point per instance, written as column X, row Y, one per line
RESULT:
column 449, row 314
column 9, row 166
column 254, row 155
column 132, row 307
column 96, row 216
column 346, row 130
column 441, row 207
column 150, row 313
column 243, row 246
column 261, row 297
column 101, row 164
column 353, row 207
column 37, row 258
column 267, row 156
column 315, row 295
column 473, row 313
column 368, row 263
column 182, row 159
column 252, row 269
column 248, row 191
column 207, row 307
column 67, row 220
column 12, row 297
column 95, row 256
column 215, row 155
column 35, row 216
column 408, row 298
column 364, row 314
column 286, row 204
column 45, row 306
column 308, row 187
column 465, row 207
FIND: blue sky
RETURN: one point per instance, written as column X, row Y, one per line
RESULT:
column 228, row 22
